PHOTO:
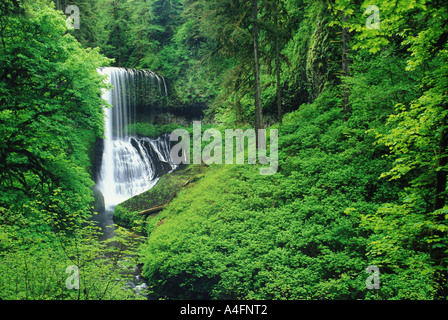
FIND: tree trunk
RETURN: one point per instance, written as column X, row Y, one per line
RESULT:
column 345, row 62
column 257, row 88
column 279, row 88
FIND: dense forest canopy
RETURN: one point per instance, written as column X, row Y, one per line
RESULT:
column 356, row 89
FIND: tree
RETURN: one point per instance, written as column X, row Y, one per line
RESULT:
column 255, row 33
column 275, row 20
column 341, row 11
column 152, row 25
column 92, row 21
column 37, row 147
column 234, row 26
column 50, row 112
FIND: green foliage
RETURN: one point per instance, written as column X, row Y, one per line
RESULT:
column 35, row 259
column 365, row 189
column 51, row 112
column 410, row 233
column 326, row 215
column 235, row 234
column 44, row 146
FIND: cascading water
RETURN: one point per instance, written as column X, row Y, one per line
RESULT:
column 131, row 164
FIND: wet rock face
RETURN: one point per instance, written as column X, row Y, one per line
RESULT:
column 180, row 115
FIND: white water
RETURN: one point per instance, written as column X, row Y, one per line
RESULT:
column 130, row 165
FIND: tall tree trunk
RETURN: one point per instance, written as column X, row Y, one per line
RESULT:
column 279, row 88
column 438, row 254
column 257, row 88
column 345, row 62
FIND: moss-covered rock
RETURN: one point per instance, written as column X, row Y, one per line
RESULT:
column 129, row 213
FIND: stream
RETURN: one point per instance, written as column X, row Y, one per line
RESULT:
column 104, row 220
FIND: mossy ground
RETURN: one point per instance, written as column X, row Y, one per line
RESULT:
column 169, row 185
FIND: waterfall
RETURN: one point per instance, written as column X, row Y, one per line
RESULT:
column 131, row 164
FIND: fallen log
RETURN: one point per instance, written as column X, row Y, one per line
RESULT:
column 153, row 209
column 188, row 181
column 162, row 206
column 157, row 208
